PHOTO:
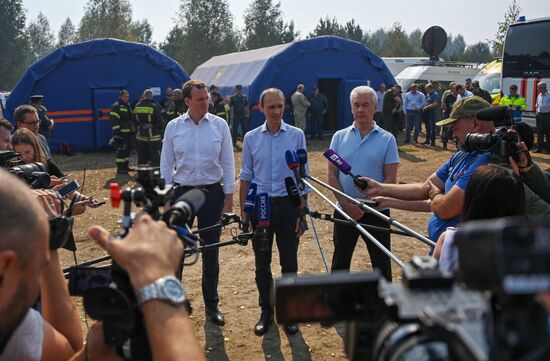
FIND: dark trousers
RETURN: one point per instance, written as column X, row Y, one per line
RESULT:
column 243, row 122
column 123, row 152
column 345, row 239
column 543, row 130
column 380, row 120
column 413, row 120
column 316, row 125
column 396, row 124
column 149, row 152
column 282, row 226
column 209, row 214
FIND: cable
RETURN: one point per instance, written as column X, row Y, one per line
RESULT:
column 317, row 239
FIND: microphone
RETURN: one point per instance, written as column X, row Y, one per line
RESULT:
column 184, row 208
column 292, row 191
column 293, row 164
column 302, row 157
column 250, row 201
column 264, row 215
column 345, row 168
column 294, row 195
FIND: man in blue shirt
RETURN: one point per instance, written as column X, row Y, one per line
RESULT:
column 371, row 151
column 263, row 163
column 413, row 103
column 443, row 192
column 432, row 102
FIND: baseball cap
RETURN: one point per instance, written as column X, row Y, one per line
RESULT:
column 475, row 83
column 468, row 80
column 464, row 108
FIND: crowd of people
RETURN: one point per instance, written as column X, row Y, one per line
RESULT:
column 187, row 136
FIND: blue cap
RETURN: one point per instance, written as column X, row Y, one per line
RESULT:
column 468, row 80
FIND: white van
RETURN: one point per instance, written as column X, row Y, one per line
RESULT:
column 396, row 65
column 443, row 72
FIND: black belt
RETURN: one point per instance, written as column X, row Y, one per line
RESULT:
column 277, row 200
column 202, row 186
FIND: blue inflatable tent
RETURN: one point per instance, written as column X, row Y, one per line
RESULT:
column 80, row 82
column 334, row 64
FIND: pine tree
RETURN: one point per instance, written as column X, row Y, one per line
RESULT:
column 264, row 25
column 106, row 19
column 15, row 44
column 142, row 31
column 41, row 37
column 67, row 34
column 510, row 16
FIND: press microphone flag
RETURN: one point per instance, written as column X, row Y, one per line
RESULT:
column 293, row 164
column 250, row 201
column 302, row 157
column 344, row 167
column 292, row 191
column 264, row 212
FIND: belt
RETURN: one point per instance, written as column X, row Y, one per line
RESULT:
column 277, row 200
column 202, row 186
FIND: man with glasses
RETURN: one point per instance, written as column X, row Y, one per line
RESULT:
column 26, row 116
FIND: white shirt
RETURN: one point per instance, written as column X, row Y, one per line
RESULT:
column 25, row 343
column 543, row 102
column 200, row 154
column 467, row 94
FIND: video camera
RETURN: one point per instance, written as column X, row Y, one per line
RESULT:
column 504, row 142
column 34, row 174
column 491, row 314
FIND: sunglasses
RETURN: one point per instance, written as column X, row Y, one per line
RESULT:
column 32, row 123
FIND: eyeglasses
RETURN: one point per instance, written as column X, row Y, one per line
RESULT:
column 32, row 123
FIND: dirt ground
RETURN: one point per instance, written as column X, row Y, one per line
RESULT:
column 237, row 289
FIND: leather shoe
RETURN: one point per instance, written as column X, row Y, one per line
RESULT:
column 290, row 328
column 216, row 316
column 262, row 326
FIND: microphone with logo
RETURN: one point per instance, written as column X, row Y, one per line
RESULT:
column 261, row 234
column 293, row 164
column 345, row 168
column 294, row 195
column 302, row 158
column 250, row 204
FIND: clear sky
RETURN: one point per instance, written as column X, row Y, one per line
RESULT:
column 475, row 20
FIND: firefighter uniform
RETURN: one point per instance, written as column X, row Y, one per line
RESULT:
column 121, row 118
column 176, row 109
column 148, row 115
column 221, row 110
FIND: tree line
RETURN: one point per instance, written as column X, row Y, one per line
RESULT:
column 203, row 29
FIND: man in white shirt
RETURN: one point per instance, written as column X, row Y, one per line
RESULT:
column 197, row 152
column 543, row 118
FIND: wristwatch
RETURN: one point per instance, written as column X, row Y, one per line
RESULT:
column 167, row 288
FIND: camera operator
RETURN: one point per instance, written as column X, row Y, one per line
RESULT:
column 169, row 328
column 443, row 192
column 537, row 181
column 28, row 267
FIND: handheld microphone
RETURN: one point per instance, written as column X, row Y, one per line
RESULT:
column 293, row 164
column 294, row 195
column 250, row 201
column 345, row 168
column 302, row 157
column 264, row 215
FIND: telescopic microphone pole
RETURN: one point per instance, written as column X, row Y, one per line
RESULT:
column 391, row 221
column 291, row 159
column 330, row 218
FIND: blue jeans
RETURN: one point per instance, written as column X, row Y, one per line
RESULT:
column 413, row 120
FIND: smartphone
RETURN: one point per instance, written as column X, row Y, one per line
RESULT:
column 68, row 188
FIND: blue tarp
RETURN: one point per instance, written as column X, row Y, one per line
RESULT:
column 304, row 61
column 81, row 81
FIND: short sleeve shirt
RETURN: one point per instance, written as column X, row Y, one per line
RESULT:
column 456, row 171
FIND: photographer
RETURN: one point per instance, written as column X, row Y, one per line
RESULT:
column 483, row 199
column 28, row 267
column 168, row 326
column 443, row 192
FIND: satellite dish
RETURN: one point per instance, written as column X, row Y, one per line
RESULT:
column 434, row 41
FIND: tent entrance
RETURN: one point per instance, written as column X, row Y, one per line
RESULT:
column 330, row 88
column 103, row 99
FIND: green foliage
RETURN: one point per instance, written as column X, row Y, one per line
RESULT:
column 142, row 31
column 478, row 53
column 264, row 25
column 327, row 26
column 15, row 44
column 397, row 42
column 106, row 19
column 67, row 34
column 205, row 30
column 510, row 16
column 41, row 37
